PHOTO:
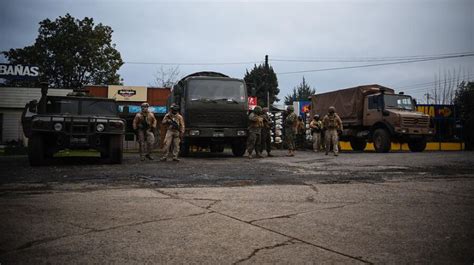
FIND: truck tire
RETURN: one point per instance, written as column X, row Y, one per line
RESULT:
column 115, row 151
column 382, row 142
column 358, row 144
column 184, row 149
column 217, row 148
column 36, row 154
column 238, row 148
column 417, row 145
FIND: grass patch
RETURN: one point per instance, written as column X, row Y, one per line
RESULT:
column 81, row 153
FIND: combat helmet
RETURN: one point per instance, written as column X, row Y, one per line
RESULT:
column 331, row 110
column 174, row 106
column 257, row 110
column 145, row 105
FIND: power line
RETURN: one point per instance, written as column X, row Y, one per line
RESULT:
column 207, row 63
column 369, row 59
column 379, row 64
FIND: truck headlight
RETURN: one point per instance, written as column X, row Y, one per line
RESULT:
column 241, row 133
column 58, row 126
column 194, row 132
column 100, row 127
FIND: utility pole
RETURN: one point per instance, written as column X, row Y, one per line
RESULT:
column 266, row 82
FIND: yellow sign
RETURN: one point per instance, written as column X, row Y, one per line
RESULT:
column 128, row 93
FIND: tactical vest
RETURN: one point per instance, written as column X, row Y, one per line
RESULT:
column 332, row 122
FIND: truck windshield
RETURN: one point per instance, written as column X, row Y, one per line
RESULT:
column 216, row 90
column 89, row 107
column 398, row 102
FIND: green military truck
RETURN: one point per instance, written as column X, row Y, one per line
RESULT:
column 376, row 114
column 75, row 123
column 215, row 108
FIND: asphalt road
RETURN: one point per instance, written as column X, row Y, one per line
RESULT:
column 217, row 209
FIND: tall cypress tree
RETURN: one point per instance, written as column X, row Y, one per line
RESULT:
column 262, row 81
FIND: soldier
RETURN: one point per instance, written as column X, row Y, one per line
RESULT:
column 316, row 127
column 255, row 127
column 144, row 124
column 266, row 133
column 174, row 132
column 291, row 122
column 332, row 124
column 300, row 133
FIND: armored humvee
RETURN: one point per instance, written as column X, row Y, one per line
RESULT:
column 74, row 122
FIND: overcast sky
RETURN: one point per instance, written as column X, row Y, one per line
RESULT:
column 183, row 32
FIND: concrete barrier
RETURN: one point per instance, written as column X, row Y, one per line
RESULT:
column 430, row 146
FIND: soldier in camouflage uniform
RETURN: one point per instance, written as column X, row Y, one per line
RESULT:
column 266, row 133
column 144, row 124
column 174, row 133
column 291, row 122
column 316, row 127
column 332, row 124
column 255, row 128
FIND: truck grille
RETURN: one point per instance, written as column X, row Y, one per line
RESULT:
column 217, row 119
column 415, row 122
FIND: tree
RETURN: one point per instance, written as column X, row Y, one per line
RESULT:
column 263, row 81
column 300, row 92
column 166, row 77
column 464, row 101
column 71, row 53
column 444, row 89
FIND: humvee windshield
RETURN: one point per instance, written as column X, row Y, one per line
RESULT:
column 81, row 107
column 216, row 90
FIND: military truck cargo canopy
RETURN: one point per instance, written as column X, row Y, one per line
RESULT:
column 349, row 102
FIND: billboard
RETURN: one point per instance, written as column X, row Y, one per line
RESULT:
column 437, row 111
column 136, row 109
column 19, row 72
column 128, row 93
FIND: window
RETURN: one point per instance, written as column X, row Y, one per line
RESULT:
column 373, row 102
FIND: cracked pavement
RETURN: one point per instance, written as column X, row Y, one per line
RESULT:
column 217, row 209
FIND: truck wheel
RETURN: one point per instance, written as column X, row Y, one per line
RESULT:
column 184, row 149
column 217, row 148
column 115, row 149
column 382, row 143
column 36, row 155
column 358, row 144
column 238, row 148
column 417, row 145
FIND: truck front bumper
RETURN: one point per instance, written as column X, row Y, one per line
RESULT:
column 215, row 132
column 414, row 131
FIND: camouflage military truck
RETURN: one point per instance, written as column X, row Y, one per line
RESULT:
column 376, row 114
column 73, row 122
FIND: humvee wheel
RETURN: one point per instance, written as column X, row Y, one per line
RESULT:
column 115, row 149
column 36, row 155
